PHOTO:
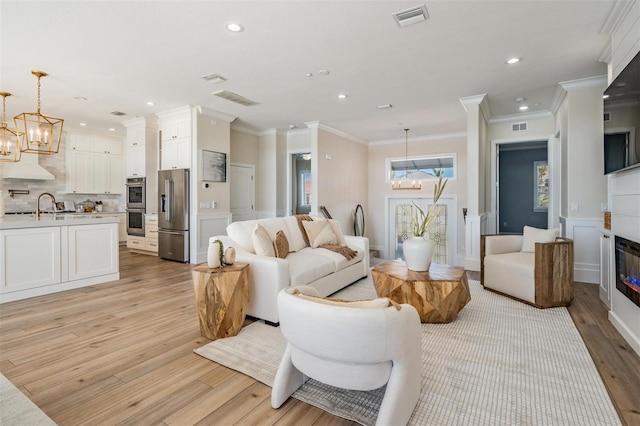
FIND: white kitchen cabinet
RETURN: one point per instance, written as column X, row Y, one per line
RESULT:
column 606, row 250
column 30, row 258
column 142, row 148
column 176, row 154
column 175, row 150
column 151, row 233
column 122, row 225
column 95, row 166
column 93, row 250
column 176, row 128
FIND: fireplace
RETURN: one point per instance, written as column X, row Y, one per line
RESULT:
column 628, row 268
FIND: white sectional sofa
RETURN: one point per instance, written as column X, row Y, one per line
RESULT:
column 325, row 270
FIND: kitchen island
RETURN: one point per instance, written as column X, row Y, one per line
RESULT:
column 56, row 253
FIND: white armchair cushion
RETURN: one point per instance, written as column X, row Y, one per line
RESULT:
column 511, row 273
column 381, row 302
column 531, row 236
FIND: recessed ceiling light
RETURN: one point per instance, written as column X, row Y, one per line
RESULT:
column 512, row 61
column 520, row 99
column 80, row 98
column 342, row 96
column 605, row 96
column 309, row 74
column 150, row 103
column 385, row 106
column 523, row 108
column 112, row 129
column 292, row 126
column 83, row 124
column 323, row 72
column 234, row 27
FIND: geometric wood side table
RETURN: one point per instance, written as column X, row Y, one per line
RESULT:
column 222, row 297
column 437, row 294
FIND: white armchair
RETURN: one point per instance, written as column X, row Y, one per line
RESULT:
column 537, row 273
column 357, row 345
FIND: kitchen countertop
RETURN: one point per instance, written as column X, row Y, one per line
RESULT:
column 58, row 219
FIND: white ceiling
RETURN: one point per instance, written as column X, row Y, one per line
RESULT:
column 121, row 54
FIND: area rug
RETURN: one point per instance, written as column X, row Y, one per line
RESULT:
column 18, row 410
column 501, row 362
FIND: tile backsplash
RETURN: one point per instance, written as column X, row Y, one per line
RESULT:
column 56, row 165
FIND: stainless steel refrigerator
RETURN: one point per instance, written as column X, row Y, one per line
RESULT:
column 173, row 214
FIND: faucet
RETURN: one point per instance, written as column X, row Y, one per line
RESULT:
column 38, row 203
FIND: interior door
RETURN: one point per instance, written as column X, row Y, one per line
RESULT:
column 242, row 192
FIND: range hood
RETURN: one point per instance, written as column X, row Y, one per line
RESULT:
column 26, row 168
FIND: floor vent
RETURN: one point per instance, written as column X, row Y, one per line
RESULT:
column 234, row 97
column 519, row 127
column 411, row 16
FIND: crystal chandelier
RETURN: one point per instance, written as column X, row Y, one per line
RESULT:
column 9, row 138
column 404, row 182
column 39, row 133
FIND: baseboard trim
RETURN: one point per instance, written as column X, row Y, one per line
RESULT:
column 625, row 332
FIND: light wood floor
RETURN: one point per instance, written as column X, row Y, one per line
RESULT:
column 121, row 353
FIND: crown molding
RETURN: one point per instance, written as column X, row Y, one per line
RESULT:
column 521, row 116
column 319, row 126
column 480, row 100
column 182, row 110
column 619, row 11
column 435, row 137
column 558, row 97
column 215, row 114
column 584, row 83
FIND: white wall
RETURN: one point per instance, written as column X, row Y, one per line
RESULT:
column 342, row 167
column 379, row 188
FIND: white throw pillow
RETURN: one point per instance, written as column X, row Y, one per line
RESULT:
column 262, row 243
column 335, row 226
column 319, row 232
column 532, row 235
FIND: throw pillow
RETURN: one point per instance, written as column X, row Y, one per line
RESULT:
column 335, row 226
column 319, row 232
column 382, row 302
column 262, row 243
column 531, row 236
column 281, row 245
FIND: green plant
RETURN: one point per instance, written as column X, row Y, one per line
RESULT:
column 221, row 254
column 422, row 220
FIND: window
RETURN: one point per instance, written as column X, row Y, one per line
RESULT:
column 420, row 168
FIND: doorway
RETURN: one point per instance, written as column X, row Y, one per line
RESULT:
column 243, row 191
column 523, row 184
column 301, row 183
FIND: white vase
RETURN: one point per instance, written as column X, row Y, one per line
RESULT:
column 417, row 253
column 213, row 255
column 229, row 255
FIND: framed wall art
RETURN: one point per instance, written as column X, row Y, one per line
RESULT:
column 214, row 166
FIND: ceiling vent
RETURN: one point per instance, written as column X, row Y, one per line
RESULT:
column 214, row 78
column 118, row 113
column 411, row 16
column 234, row 97
column 519, row 127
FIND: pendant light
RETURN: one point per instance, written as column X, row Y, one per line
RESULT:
column 9, row 138
column 40, row 134
column 404, row 182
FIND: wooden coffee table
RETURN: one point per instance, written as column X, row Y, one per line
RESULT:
column 222, row 297
column 438, row 294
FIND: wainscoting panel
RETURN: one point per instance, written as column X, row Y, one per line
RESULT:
column 585, row 234
column 208, row 225
column 475, row 226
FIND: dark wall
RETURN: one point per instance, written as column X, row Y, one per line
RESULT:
column 516, row 176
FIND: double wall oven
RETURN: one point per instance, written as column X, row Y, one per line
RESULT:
column 136, row 205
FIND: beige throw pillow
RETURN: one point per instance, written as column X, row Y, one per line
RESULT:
column 319, row 232
column 382, row 302
column 281, row 245
column 531, row 236
column 262, row 244
column 335, row 226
